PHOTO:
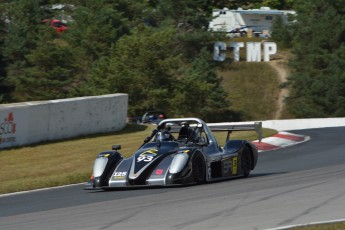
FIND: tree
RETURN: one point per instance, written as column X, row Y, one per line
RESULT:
column 49, row 73
column 234, row 4
column 142, row 64
column 279, row 4
column 151, row 69
column 199, row 91
column 23, row 21
column 57, row 64
column 318, row 81
column 97, row 25
column 4, row 89
column 24, row 18
column 282, row 33
column 189, row 14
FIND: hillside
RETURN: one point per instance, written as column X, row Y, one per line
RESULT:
column 254, row 88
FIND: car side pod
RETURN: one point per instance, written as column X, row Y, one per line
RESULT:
column 103, row 167
column 178, row 170
column 98, row 169
column 178, row 163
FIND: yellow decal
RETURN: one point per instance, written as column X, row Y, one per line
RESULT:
column 234, row 165
column 106, row 155
column 150, row 151
column 186, row 151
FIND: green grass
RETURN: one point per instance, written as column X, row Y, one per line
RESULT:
column 253, row 89
column 71, row 161
column 330, row 226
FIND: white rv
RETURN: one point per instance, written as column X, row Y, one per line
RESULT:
column 258, row 20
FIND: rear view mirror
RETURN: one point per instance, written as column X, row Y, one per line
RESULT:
column 116, row 147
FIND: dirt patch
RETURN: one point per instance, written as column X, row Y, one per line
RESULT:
column 279, row 63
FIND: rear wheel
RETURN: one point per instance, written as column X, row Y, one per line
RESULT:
column 199, row 169
column 246, row 161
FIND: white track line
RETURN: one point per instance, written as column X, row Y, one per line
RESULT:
column 37, row 190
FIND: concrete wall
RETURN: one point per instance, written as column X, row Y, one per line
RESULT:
column 34, row 122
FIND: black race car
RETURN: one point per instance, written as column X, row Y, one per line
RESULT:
column 179, row 151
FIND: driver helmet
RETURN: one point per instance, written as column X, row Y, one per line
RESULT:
column 185, row 124
column 163, row 136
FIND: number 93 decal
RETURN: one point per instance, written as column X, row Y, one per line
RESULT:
column 147, row 156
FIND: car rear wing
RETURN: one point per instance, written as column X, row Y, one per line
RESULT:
column 256, row 126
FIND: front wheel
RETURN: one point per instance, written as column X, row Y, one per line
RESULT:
column 198, row 168
column 246, row 162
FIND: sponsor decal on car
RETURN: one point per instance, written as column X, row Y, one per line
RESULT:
column 159, row 171
column 226, row 166
column 119, row 175
column 234, row 165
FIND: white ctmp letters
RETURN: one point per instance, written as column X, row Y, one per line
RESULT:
column 253, row 51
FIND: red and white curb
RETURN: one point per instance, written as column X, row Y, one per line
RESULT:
column 280, row 140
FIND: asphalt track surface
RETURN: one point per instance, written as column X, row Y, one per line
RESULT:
column 296, row 185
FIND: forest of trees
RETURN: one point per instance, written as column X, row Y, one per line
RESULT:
column 317, row 83
column 317, row 42
column 160, row 53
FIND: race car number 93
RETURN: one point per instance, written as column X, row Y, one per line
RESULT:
column 145, row 158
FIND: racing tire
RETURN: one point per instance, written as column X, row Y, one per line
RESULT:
column 246, row 162
column 198, row 168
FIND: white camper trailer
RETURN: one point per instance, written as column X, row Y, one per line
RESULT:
column 258, row 20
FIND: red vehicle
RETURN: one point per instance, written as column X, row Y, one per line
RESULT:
column 58, row 25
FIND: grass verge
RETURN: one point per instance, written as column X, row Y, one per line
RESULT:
column 329, row 226
column 253, row 89
column 71, row 161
